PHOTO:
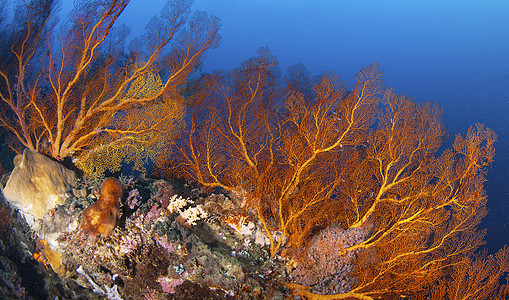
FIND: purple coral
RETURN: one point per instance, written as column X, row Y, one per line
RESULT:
column 163, row 242
column 168, row 285
column 133, row 199
column 162, row 199
column 129, row 243
column 153, row 214
column 164, row 192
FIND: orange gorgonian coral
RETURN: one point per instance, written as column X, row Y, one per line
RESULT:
column 354, row 160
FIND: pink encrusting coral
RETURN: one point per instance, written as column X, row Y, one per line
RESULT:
column 324, row 265
column 168, row 285
column 164, row 192
column 129, row 243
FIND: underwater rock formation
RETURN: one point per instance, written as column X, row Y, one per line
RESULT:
column 24, row 272
column 37, row 184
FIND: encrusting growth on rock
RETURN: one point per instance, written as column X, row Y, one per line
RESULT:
column 101, row 217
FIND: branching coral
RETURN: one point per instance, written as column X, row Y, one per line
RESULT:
column 190, row 215
column 67, row 100
column 357, row 157
column 135, row 136
column 177, row 203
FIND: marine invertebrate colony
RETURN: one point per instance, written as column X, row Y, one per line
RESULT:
column 85, row 91
column 101, row 217
column 308, row 160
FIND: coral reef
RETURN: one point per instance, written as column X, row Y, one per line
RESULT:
column 165, row 240
column 159, row 250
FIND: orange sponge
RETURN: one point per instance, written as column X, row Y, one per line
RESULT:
column 101, row 217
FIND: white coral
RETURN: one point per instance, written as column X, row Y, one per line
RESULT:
column 190, row 215
column 194, row 214
column 177, row 203
column 111, row 293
